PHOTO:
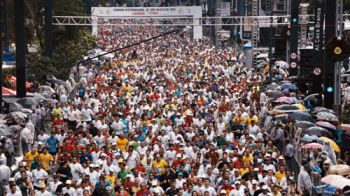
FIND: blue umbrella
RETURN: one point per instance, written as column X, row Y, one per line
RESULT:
column 289, row 86
column 301, row 116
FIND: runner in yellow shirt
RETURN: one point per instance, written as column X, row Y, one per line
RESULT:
column 122, row 142
column 159, row 165
column 46, row 159
column 29, row 156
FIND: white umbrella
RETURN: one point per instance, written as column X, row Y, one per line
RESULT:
column 339, row 169
column 282, row 64
column 336, row 180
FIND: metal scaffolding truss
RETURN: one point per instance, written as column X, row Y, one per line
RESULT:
column 170, row 21
column 179, row 21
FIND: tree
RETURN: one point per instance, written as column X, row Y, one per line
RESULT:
column 70, row 43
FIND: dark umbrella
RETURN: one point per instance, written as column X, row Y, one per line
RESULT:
column 281, row 117
column 303, row 124
column 15, row 117
column 275, row 94
column 27, row 102
column 5, row 130
column 13, row 107
column 317, row 110
column 309, row 138
column 38, row 97
column 282, row 109
column 326, row 125
column 325, row 116
column 318, row 131
column 286, row 107
column 289, row 86
column 301, row 116
column 313, row 97
column 273, row 87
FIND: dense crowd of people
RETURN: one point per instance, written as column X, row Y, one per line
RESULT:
column 172, row 116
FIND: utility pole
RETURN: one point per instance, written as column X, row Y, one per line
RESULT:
column 48, row 28
column 4, row 25
column 1, row 48
column 329, row 70
column 294, row 34
column 20, row 48
column 88, row 5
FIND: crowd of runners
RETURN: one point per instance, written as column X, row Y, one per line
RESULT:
column 172, row 116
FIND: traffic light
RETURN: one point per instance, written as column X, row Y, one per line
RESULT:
column 329, row 84
column 295, row 16
column 338, row 49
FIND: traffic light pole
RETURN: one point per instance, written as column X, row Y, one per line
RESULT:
column 293, row 38
column 20, row 48
column 328, row 65
column 338, row 64
column 337, row 88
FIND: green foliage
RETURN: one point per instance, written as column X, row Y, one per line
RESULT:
column 69, row 51
column 70, row 43
column 38, row 66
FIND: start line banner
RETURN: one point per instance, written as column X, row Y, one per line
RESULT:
column 194, row 12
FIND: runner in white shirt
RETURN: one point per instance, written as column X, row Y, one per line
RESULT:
column 54, row 184
column 131, row 157
column 208, row 188
column 39, row 175
column 69, row 189
column 76, row 168
column 13, row 191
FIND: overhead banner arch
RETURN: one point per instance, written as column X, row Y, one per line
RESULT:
column 194, row 13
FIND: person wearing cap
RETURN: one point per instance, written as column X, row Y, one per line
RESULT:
column 264, row 191
column 42, row 191
column 69, row 189
column 156, row 188
column 237, row 190
column 253, row 187
column 39, row 175
column 110, row 191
